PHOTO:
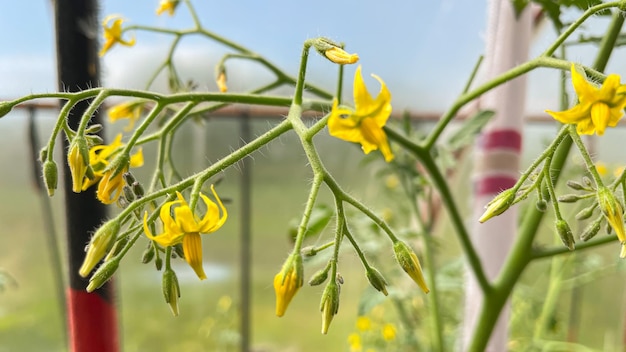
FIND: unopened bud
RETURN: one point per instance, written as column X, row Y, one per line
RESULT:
column 221, row 82
column 171, row 290
column 377, row 280
column 101, row 242
column 147, row 255
column 591, row 230
column 329, row 305
column 50, row 176
column 576, row 185
column 410, row 264
column 498, row 205
column 103, row 274
column 586, row 213
column 565, row 233
column 95, row 128
column 569, row 198
column 138, row 189
column 309, row 251
column 117, row 248
column 319, row 277
column 158, row 263
column 128, row 193
column 129, row 178
column 334, row 52
column 587, row 182
column 541, row 205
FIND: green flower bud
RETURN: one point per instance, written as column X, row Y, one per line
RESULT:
column 591, row 230
column 50, row 176
column 329, row 306
column 319, row 277
column 95, row 128
column 147, row 255
column 586, row 213
column 158, row 263
column 334, row 52
column 171, row 290
column 498, row 205
column 377, row 280
column 576, row 186
column 541, row 205
column 564, row 231
column 569, row 198
column 117, row 248
column 308, row 251
column 128, row 193
column 410, row 264
column 101, row 242
column 129, row 178
column 103, row 274
column 587, row 182
column 138, row 189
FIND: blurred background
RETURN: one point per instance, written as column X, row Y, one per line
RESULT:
column 423, row 50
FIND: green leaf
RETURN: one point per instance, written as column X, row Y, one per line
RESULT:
column 466, row 134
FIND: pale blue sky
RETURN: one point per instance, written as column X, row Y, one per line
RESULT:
column 424, row 50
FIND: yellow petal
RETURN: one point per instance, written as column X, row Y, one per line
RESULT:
column 212, row 221
column 585, row 91
column 609, row 88
column 362, row 98
column 600, row 115
column 136, row 160
column 576, row 114
column 383, row 103
column 192, row 247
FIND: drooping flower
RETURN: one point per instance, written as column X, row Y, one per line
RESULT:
column 287, row 282
column 614, row 214
column 167, row 5
column 78, row 161
column 110, row 176
column 185, row 227
column 130, row 110
column 364, row 124
column 113, row 34
column 597, row 108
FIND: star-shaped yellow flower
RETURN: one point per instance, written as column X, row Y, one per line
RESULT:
column 365, row 123
column 184, row 227
column 111, row 179
column 597, row 108
column 113, row 34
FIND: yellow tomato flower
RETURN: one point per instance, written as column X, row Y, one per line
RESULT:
column 601, row 168
column 354, row 340
column 113, row 34
column 614, row 214
column 363, row 323
column 389, row 332
column 365, row 123
column 130, row 110
column 410, row 264
column 184, row 227
column 597, row 108
column 287, row 282
column 78, row 161
column 167, row 5
column 110, row 176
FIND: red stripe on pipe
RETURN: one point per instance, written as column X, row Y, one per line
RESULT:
column 92, row 322
column 501, row 139
column 491, row 185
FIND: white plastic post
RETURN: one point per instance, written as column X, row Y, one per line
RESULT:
column 497, row 156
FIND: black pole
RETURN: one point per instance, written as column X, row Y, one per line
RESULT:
column 245, row 225
column 91, row 316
